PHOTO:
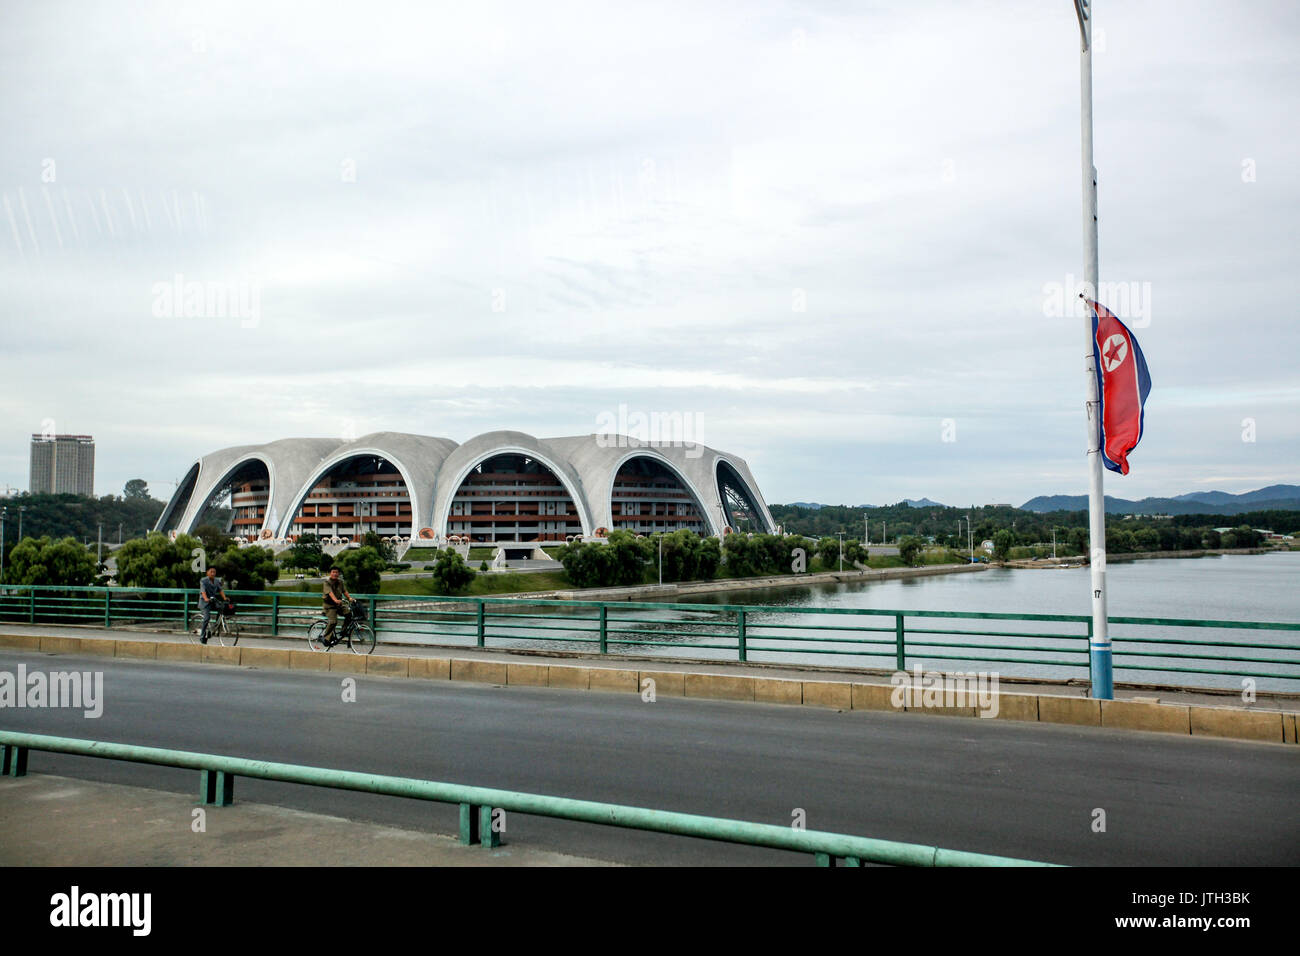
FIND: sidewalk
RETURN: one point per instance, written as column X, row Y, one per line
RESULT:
column 57, row 821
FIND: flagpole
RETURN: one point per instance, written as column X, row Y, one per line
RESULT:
column 1099, row 648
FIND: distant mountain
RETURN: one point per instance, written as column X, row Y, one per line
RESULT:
column 1274, row 497
column 921, row 503
column 805, row 504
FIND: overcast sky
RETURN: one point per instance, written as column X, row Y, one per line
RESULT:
column 828, row 235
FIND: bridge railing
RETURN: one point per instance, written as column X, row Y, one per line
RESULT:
column 1017, row 644
column 477, row 804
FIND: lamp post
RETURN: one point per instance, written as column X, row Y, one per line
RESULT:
column 841, row 534
column 970, row 540
column 4, row 513
column 1099, row 646
column 661, row 560
column 21, row 509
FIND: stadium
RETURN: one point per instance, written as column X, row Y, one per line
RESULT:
column 502, row 487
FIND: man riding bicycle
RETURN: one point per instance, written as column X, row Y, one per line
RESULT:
column 212, row 598
column 337, row 599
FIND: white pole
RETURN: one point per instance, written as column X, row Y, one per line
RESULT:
column 1099, row 645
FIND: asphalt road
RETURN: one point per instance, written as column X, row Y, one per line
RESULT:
column 988, row 786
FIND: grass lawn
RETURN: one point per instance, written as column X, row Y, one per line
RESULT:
column 414, row 555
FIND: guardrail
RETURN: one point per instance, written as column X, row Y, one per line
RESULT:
column 477, row 804
column 857, row 637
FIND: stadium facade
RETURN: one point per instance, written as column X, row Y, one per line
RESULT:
column 503, row 487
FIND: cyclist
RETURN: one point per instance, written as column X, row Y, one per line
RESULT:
column 212, row 598
column 336, row 599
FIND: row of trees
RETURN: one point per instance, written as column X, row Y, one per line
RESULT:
column 1179, row 532
column 628, row 560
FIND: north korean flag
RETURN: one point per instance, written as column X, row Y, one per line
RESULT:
column 1123, row 384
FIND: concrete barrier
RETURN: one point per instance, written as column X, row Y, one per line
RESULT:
column 180, row 652
column 61, row 645
column 309, row 660
column 719, row 687
column 478, row 672
column 874, row 697
column 1017, row 706
column 667, row 683
column 824, row 693
column 265, row 657
column 216, row 654
column 1239, row 724
column 139, row 650
column 1145, row 715
column 1085, row 711
column 429, row 668
column 24, row 642
column 528, row 675
column 608, row 678
column 385, row 666
column 775, row 691
column 573, row 678
column 347, row 663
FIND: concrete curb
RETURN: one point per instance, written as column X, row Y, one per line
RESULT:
column 1234, row 723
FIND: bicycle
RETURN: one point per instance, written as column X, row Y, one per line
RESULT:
column 352, row 630
column 221, row 625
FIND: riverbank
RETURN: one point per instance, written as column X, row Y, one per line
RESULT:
column 645, row 592
column 1081, row 560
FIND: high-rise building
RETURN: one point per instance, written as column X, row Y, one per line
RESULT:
column 62, row 464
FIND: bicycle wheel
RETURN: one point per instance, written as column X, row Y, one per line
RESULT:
column 196, row 631
column 362, row 640
column 228, row 635
column 314, row 634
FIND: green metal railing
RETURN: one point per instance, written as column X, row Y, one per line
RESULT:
column 852, row 637
column 477, row 804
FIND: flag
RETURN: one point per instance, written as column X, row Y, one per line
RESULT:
column 1123, row 384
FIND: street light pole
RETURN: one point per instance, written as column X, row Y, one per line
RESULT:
column 21, row 509
column 841, row 534
column 4, row 513
column 1099, row 646
column 970, row 540
column 661, row 560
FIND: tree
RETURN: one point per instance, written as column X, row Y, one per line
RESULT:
column 828, row 553
column 708, row 558
column 154, row 561
column 743, row 556
column 372, row 539
column 307, row 554
column 361, row 568
column 248, row 568
column 136, row 488
column 450, row 572
column 214, row 541
column 631, row 555
column 44, row 561
column 909, row 549
column 1002, row 542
